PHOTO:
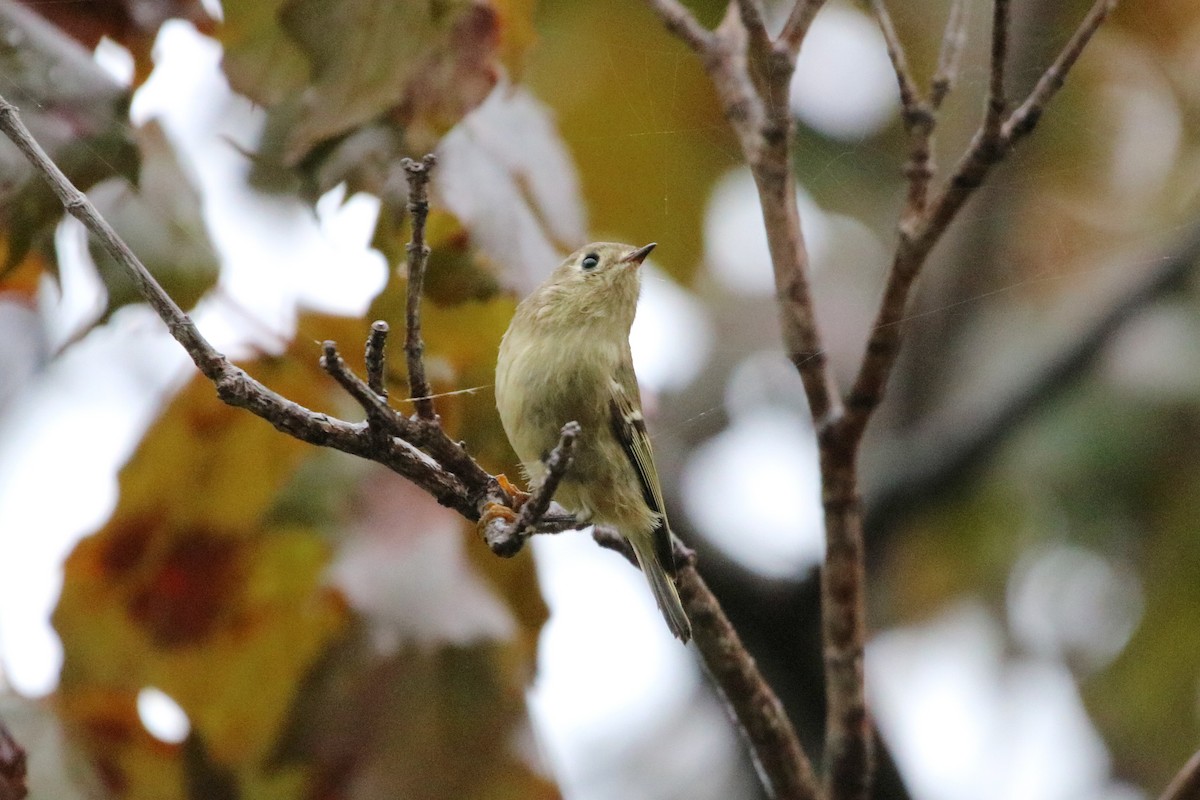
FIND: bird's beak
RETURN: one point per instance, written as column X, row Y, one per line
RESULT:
column 639, row 255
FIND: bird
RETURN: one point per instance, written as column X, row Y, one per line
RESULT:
column 566, row 357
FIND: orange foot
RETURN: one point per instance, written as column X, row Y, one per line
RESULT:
column 493, row 512
column 519, row 497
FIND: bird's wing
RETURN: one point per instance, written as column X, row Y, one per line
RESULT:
column 629, row 427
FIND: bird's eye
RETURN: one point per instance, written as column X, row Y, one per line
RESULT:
column 590, row 261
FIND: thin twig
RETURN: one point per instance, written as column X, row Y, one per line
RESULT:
column 917, row 241
column 1026, row 115
column 997, row 100
column 798, row 22
column 751, row 12
column 507, row 539
column 910, row 95
column 954, row 40
column 418, row 257
column 557, row 464
column 208, row 360
column 774, row 747
column 379, row 413
column 1186, row 784
column 376, row 359
column 918, row 119
column 681, row 22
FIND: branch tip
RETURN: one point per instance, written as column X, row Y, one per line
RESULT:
column 376, row 357
column 954, row 40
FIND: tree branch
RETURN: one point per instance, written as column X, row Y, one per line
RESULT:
column 954, row 39
column 799, row 21
column 751, row 12
column 919, row 122
column 1026, row 115
column 916, row 241
column 375, row 358
column 683, row 24
column 997, row 100
column 505, row 539
column 774, row 747
column 418, row 257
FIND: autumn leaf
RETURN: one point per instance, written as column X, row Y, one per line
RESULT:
column 133, row 24
column 351, row 85
column 77, row 113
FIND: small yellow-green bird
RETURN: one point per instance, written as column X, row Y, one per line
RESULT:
column 565, row 357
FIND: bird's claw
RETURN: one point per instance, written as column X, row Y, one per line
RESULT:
column 519, row 497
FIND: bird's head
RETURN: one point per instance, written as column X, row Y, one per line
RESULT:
column 599, row 281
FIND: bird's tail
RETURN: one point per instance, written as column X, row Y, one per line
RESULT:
column 663, row 588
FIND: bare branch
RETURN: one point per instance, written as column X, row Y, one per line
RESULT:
column 12, row 767
column 416, row 433
column 1185, row 785
column 774, row 747
column 379, row 413
column 557, row 464
column 376, row 358
column 997, row 100
column 918, row 119
column 418, row 257
column 910, row 95
column 917, row 241
column 683, row 24
column 950, row 56
column 797, row 25
column 849, row 737
column 506, row 539
column 1026, row 116
column 776, row 750
column 751, row 12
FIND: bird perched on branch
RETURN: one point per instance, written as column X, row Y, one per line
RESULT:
column 565, row 357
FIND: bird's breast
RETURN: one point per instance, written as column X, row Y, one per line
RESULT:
column 544, row 382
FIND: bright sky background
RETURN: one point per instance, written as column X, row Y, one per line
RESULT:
column 966, row 724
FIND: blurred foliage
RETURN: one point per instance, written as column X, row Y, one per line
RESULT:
column 643, row 122
column 77, row 113
column 133, row 24
column 161, row 222
column 332, row 633
column 358, row 83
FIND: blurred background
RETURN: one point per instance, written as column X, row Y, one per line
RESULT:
column 193, row 605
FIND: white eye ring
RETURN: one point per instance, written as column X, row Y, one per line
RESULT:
column 590, row 261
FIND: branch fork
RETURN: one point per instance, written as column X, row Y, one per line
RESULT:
column 751, row 72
